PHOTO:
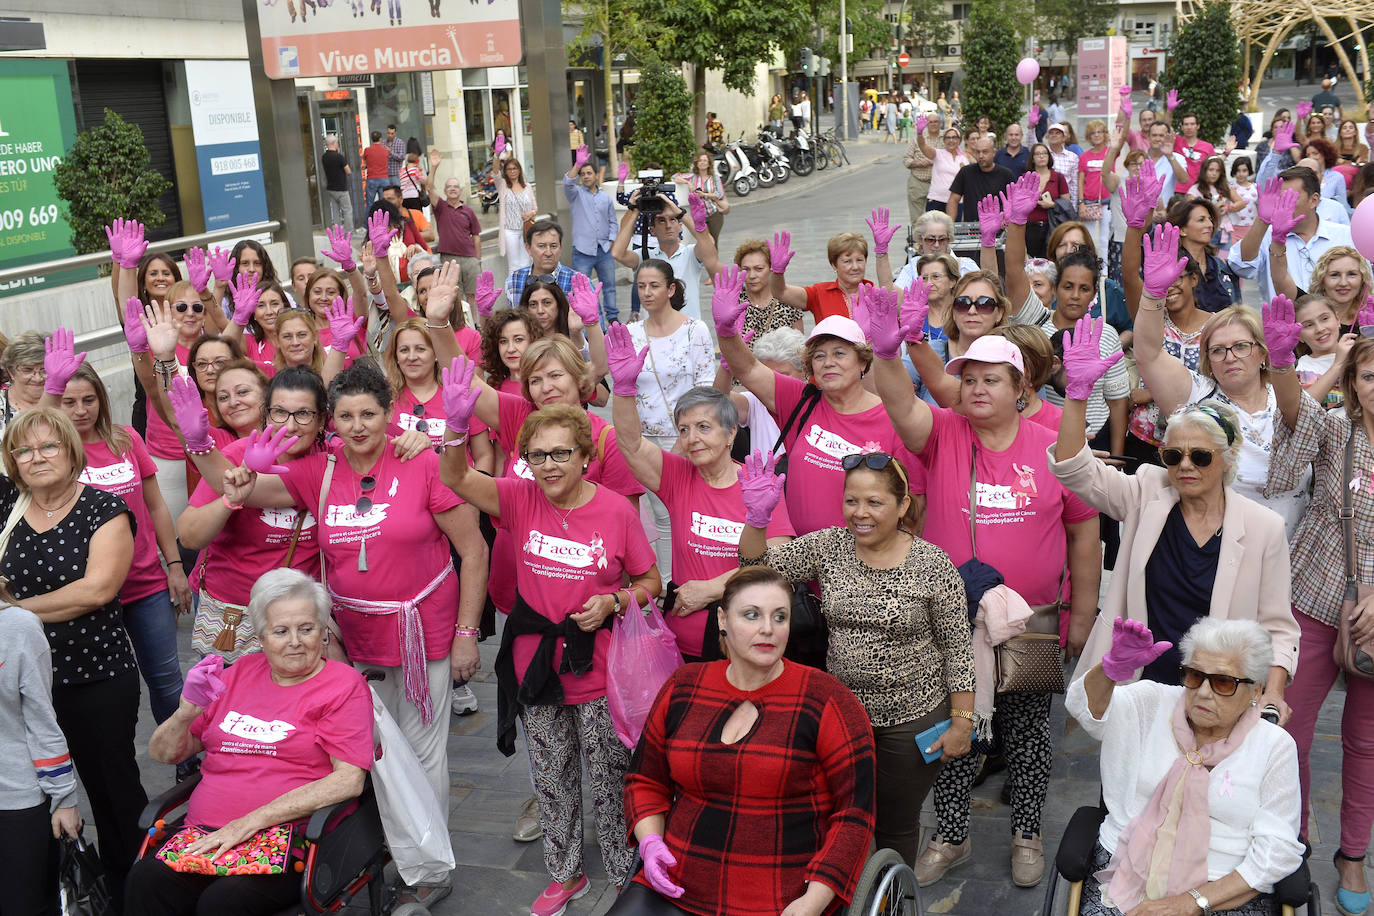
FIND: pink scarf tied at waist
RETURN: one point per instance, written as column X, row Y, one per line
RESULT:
column 1163, row 851
column 412, row 637
column 1002, row 614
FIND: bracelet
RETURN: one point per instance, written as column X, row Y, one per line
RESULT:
column 962, row 714
column 461, row 440
column 230, row 506
column 1157, row 308
column 201, row 452
column 1282, row 370
column 177, row 562
column 437, row 327
column 467, row 631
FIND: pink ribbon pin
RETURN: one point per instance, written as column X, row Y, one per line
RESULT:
column 1225, row 788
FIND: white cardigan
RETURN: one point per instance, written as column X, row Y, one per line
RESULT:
column 1254, row 802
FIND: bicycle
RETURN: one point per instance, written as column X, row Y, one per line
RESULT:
column 834, row 148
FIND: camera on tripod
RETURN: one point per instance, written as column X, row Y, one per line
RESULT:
column 650, row 200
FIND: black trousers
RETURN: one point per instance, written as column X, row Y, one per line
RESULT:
column 30, row 856
column 156, row 890
column 98, row 720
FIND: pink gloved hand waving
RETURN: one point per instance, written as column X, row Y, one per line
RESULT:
column 460, row 398
column 486, row 293
column 1033, row 116
column 624, row 361
column 134, row 331
column 990, row 220
column 1133, row 646
column 1083, row 360
column 127, row 244
column 198, row 268
column 1365, row 319
column 761, row 488
column 243, row 290
column 727, row 308
column 379, row 232
column 584, row 298
column 882, row 319
column 922, row 122
column 265, row 446
column 622, row 172
column 882, row 232
column 343, row 327
column 340, row 248
column 1268, row 200
column 221, row 265
column 1283, row 136
column 915, row 310
column 192, row 418
column 1020, row 198
column 1171, row 100
column 583, row 156
column 1284, row 217
column 203, row 682
column 1125, row 108
column 697, row 206
column 1138, row 197
column 657, row 861
column 1281, row 331
column 60, row 361
column 780, row 252
column 1304, row 109
column 1162, row 265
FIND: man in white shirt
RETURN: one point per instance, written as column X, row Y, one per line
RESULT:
column 933, row 232
column 1168, row 165
column 1304, row 245
column 1063, row 160
column 686, row 258
column 1327, row 208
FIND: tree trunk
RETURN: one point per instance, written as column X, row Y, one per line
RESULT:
column 1362, row 111
column 609, row 79
column 1274, row 41
column 699, row 103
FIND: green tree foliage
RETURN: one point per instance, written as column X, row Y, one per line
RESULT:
column 872, row 31
column 731, row 36
column 991, row 52
column 663, row 119
column 1205, row 68
column 107, row 174
column 1069, row 20
column 925, row 25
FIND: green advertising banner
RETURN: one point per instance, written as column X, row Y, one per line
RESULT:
column 37, row 127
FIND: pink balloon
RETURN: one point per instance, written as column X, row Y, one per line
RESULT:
column 1362, row 227
column 1027, row 70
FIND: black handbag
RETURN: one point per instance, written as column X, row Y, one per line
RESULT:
column 82, row 884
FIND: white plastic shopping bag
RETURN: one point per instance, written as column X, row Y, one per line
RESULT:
column 415, row 822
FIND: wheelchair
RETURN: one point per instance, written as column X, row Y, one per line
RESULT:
column 1073, row 863
column 346, row 854
column 886, row 887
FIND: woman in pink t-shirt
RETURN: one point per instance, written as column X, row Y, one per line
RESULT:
column 259, row 333
column 579, row 541
column 413, row 371
column 1094, row 197
column 985, row 447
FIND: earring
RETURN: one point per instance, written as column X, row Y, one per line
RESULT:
column 1020, row 404
column 584, row 468
column 722, row 632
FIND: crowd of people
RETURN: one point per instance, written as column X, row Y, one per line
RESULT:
column 877, row 543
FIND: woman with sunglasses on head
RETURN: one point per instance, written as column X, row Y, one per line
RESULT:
column 898, row 618
column 985, row 448
column 1197, row 222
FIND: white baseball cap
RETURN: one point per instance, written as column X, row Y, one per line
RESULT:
column 990, row 348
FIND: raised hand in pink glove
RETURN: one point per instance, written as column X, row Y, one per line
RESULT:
column 697, row 207
column 584, row 299
column 1033, row 116
column 486, row 293
column 922, row 122
column 657, row 861
column 1281, row 331
column 743, row 335
column 1268, row 200
column 244, row 292
column 1162, row 265
column 192, row 418
column 134, row 331
column 1171, row 100
column 915, row 310
column 265, row 446
column 203, row 684
column 131, row 243
column 1283, row 137
column 114, row 235
column 1365, row 319
column 1304, row 109
column 882, row 232
column 1126, row 109
column 622, row 172
column 761, row 486
column 727, row 306
column 343, row 327
column 1020, row 198
column 379, row 232
column 60, row 361
column 883, row 320
column 780, row 252
column 1133, row 646
column 198, row 269
column 1138, row 198
column 221, row 265
column 1083, row 360
column 583, row 156
column 499, row 146
column 460, row 398
column 340, row 248
column 990, row 220
column 624, row 361
column 1284, row 218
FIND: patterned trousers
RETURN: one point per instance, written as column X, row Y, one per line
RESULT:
column 1022, row 722
column 560, row 738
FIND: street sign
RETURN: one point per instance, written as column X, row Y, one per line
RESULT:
column 1102, row 71
column 224, row 125
column 903, row 59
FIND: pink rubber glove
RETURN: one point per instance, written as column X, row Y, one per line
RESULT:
column 192, row 418
column 379, row 232
column 1283, row 137
column 861, row 308
column 583, row 156
column 882, row 232
column 265, row 446
column 697, row 207
column 761, row 486
column 343, row 327
column 915, row 310
column 624, row 361
column 1366, row 318
column 1162, row 265
column 1083, row 360
column 1281, row 331
column 1171, row 102
column 922, row 122
column 780, row 252
column 131, row 243
column 990, row 220
column 198, row 269
column 1284, row 217
column 203, row 684
column 1304, row 109
column 657, row 861
column 1126, row 107
column 486, row 293
column 340, row 248
column 221, row 265
column 1138, row 198
column 244, row 292
column 60, row 361
column 1020, row 198
column 883, row 326
column 499, row 146
column 622, row 172
column 1268, row 200
column 583, row 300
column 1033, row 116
column 134, row 331
column 727, row 308
column 114, row 235
column 460, row 397
column 1133, row 646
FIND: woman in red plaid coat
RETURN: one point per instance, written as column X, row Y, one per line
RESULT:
column 751, row 790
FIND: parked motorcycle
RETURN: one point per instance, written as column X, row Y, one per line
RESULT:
column 798, row 151
column 782, row 166
column 734, row 168
column 763, row 165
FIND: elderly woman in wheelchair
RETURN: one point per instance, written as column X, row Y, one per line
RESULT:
column 1201, row 794
column 284, row 733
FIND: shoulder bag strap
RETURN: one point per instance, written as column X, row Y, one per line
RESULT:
column 973, row 501
column 601, row 443
column 21, row 505
column 319, row 518
column 1348, row 512
column 810, row 398
column 295, row 536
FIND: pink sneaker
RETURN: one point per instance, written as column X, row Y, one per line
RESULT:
column 554, row 901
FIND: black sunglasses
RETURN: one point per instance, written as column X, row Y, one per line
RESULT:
column 421, row 424
column 193, row 306
column 874, row 461
column 1223, row 685
column 985, row 305
column 364, row 503
column 1200, row 457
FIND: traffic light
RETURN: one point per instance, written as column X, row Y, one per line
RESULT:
column 808, row 62
column 824, row 68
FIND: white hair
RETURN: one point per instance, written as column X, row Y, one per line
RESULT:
column 282, row 584
column 331, row 139
column 1244, row 641
column 781, row 345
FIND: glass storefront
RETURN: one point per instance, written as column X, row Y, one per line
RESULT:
column 395, row 99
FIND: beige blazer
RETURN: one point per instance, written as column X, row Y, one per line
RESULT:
column 1253, row 580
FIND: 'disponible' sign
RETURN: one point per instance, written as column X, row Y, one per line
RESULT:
column 354, row 37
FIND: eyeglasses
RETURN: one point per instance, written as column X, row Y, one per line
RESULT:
column 26, row 453
column 202, row 365
column 874, row 461
column 559, row 455
column 193, row 306
column 984, row 305
column 34, row 372
column 1223, row 685
column 935, row 239
column 279, row 415
column 421, row 424
column 364, row 503
column 1238, row 350
column 1200, row 457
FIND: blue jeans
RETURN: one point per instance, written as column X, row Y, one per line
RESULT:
column 152, row 626
column 374, row 190
column 604, row 265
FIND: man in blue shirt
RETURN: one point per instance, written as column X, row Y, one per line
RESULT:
column 1301, row 249
column 1013, row 157
column 544, row 242
column 593, row 230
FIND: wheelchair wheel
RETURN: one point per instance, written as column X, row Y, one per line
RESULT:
column 886, row 887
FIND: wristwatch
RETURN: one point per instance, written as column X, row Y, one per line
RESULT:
column 1201, row 901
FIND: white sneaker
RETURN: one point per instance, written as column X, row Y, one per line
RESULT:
column 464, row 701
